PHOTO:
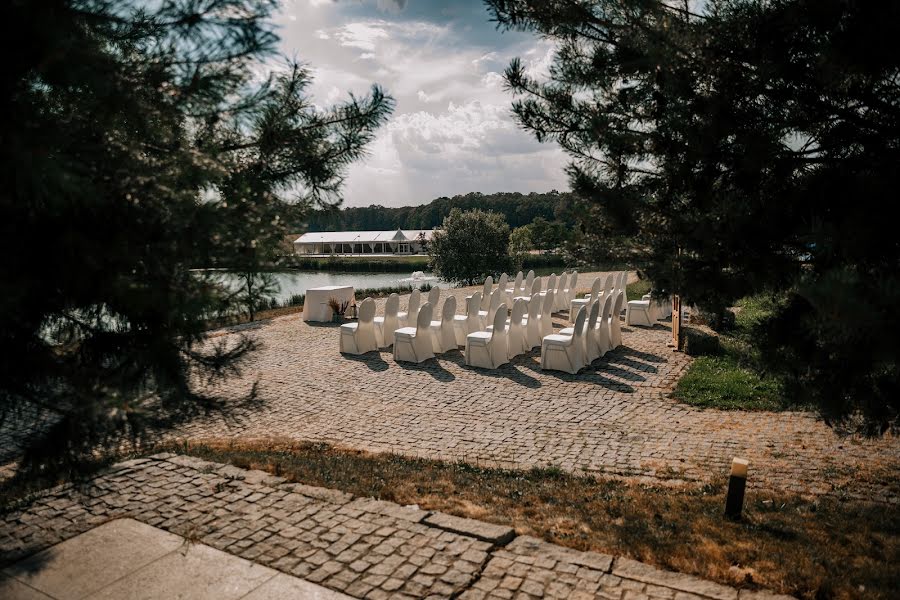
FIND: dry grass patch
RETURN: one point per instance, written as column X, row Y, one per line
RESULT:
column 826, row 548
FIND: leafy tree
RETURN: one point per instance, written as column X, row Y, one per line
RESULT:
column 470, row 246
column 547, row 236
column 139, row 141
column 740, row 147
column 519, row 245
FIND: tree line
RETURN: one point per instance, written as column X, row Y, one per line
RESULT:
column 516, row 208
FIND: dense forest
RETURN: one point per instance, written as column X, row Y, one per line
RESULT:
column 518, row 209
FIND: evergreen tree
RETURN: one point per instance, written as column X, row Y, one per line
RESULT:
column 738, row 147
column 138, row 143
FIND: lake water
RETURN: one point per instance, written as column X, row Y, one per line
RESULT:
column 297, row 282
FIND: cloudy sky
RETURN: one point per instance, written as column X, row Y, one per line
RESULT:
column 452, row 131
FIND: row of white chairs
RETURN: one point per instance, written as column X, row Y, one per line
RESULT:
column 492, row 336
column 530, row 285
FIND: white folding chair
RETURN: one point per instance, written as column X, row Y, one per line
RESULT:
column 561, row 352
column 623, row 287
column 593, row 296
column 470, row 322
column 551, row 286
column 615, row 325
column 443, row 336
column 405, row 319
column 533, row 323
column 386, row 326
column 359, row 337
column 413, row 344
column 641, row 312
column 588, row 340
column 533, row 291
column 496, row 302
column 487, row 349
column 515, row 330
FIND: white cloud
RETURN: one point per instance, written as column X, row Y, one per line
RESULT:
column 361, row 35
column 452, row 131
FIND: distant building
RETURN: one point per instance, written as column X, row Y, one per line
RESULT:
column 400, row 241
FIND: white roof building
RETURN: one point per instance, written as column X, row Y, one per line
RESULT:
column 398, row 241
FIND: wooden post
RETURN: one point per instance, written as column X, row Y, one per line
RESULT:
column 677, row 335
column 737, row 483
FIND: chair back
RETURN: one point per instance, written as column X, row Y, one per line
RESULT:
column 367, row 311
column 486, row 292
column 499, row 323
column 517, row 284
column 529, row 279
column 434, row 294
column 473, row 321
column 415, row 300
column 561, row 284
column 474, row 304
column 593, row 316
column 518, row 311
column 423, row 321
column 534, row 307
column 504, row 279
column 449, row 310
column 579, row 324
column 547, row 309
column 551, row 282
column 573, row 281
column 536, row 287
column 606, row 312
column 623, row 279
column 595, row 290
column 498, row 298
column 608, row 286
column 619, row 302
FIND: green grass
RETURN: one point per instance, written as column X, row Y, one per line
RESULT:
column 637, row 289
column 723, row 382
column 733, row 379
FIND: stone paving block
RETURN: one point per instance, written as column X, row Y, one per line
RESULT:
column 208, row 573
column 80, row 566
column 637, row 571
column 319, row 493
column 488, row 532
column 282, row 587
column 390, row 509
column 10, row 589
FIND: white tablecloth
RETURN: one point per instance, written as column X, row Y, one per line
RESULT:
column 315, row 307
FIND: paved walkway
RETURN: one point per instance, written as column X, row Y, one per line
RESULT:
column 246, row 526
column 614, row 418
column 125, row 558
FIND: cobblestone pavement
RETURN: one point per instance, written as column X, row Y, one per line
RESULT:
column 359, row 546
column 615, row 417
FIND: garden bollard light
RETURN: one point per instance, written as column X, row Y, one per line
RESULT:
column 737, row 483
